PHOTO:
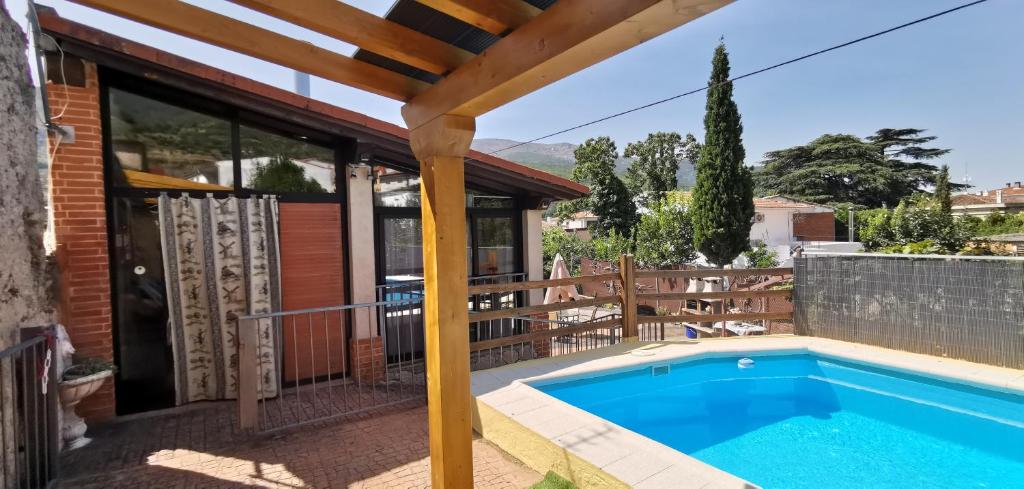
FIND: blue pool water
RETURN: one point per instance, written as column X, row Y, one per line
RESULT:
column 794, row 421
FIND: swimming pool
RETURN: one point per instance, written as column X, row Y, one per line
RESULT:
column 803, row 420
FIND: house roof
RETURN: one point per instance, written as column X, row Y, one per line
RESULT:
column 1006, row 238
column 1010, row 195
column 389, row 141
column 780, row 202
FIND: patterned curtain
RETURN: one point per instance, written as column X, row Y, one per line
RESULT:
column 220, row 263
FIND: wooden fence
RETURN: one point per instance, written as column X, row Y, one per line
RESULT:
column 628, row 299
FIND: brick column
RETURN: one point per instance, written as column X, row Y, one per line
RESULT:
column 80, row 229
column 541, row 348
column 366, row 346
column 367, row 360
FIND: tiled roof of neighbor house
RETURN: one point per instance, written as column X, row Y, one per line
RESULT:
column 1007, row 238
column 493, row 171
column 1010, row 194
column 778, row 202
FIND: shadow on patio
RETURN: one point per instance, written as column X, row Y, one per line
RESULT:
column 201, row 447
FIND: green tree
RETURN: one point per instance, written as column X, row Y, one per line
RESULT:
column 761, row 256
column 655, row 163
column 613, row 206
column 995, row 223
column 609, row 198
column 916, row 225
column 595, row 159
column 692, row 148
column 942, row 190
column 882, row 169
column 903, row 144
column 664, row 235
column 831, row 168
column 572, row 248
column 610, row 246
column 280, row 174
column 903, row 152
column 723, row 198
column 557, row 241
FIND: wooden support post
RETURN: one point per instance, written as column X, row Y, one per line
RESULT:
column 248, row 375
column 440, row 146
column 630, row 332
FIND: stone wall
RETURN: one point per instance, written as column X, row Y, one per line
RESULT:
column 25, row 298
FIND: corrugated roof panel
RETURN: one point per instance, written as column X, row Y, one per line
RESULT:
column 426, row 20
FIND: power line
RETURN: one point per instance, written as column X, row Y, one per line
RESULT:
column 745, row 75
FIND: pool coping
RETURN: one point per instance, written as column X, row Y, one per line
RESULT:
column 629, row 459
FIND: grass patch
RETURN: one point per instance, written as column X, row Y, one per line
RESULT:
column 554, row 481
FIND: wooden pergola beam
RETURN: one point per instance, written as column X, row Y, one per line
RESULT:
column 354, row 26
column 564, row 39
column 494, row 16
column 210, row 27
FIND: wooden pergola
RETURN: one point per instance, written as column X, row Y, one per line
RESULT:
column 526, row 45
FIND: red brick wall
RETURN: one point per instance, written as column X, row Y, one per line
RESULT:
column 814, row 226
column 311, row 276
column 367, row 359
column 80, row 229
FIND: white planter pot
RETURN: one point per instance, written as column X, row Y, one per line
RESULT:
column 72, row 392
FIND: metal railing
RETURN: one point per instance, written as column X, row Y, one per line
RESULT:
column 29, row 433
column 405, row 315
column 296, row 367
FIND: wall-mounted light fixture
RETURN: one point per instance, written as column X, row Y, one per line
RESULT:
column 363, row 163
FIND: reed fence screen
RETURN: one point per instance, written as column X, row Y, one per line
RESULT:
column 956, row 307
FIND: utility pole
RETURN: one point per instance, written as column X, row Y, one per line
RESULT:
column 850, row 217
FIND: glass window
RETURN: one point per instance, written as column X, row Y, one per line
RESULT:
column 481, row 200
column 495, row 241
column 158, row 145
column 393, row 188
column 278, row 164
column 403, row 249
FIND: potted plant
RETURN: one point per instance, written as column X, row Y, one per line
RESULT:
column 82, row 379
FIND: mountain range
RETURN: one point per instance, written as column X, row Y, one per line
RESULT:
column 557, row 158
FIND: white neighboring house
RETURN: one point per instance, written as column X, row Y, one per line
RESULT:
column 781, row 221
column 582, row 224
column 782, row 224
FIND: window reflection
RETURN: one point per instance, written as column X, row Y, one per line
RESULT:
column 393, row 188
column 481, row 200
column 495, row 245
column 158, row 145
column 277, row 164
column 403, row 249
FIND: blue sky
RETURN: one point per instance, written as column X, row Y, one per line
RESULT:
column 960, row 76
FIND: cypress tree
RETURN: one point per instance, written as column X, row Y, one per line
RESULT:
column 942, row 192
column 723, row 198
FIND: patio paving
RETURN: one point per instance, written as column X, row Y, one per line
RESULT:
column 387, row 448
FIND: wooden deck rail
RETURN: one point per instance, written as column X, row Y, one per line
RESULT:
column 729, row 272
column 526, row 311
column 628, row 298
column 730, row 294
column 542, row 284
column 714, row 318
